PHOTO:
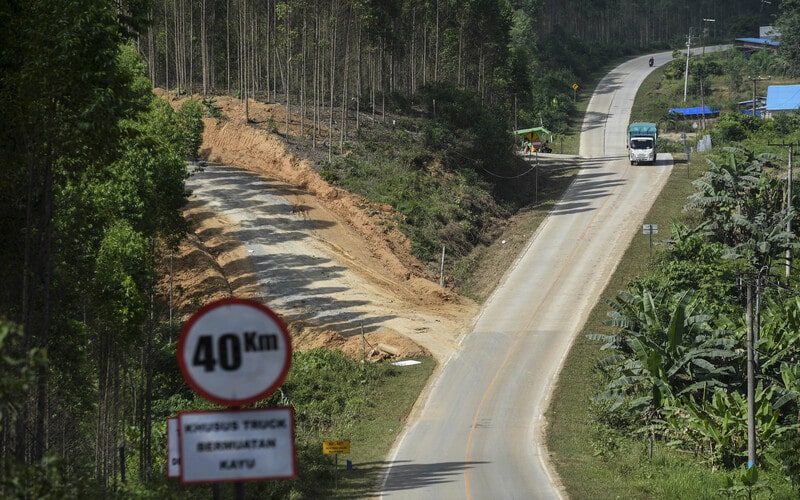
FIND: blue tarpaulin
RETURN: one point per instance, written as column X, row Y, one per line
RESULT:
column 696, row 111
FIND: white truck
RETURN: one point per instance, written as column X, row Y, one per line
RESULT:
column 642, row 142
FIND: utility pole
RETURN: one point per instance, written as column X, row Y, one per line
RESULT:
column 751, row 383
column 752, row 281
column 789, row 199
column 686, row 72
column 755, row 79
column 703, row 75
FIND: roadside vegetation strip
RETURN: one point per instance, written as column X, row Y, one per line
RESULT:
column 594, row 457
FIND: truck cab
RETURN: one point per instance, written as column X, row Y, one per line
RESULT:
column 642, row 143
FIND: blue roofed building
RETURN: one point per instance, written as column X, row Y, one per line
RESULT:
column 749, row 45
column 768, row 38
column 782, row 99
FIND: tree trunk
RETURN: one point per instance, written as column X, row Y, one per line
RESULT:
column 332, row 78
column 204, row 47
column 287, row 85
column 345, row 99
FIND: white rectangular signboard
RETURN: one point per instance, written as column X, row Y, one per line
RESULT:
column 237, row 445
column 173, row 449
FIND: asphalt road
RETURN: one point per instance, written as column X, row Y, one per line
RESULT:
column 480, row 432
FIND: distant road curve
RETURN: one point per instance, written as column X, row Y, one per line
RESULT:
column 479, row 433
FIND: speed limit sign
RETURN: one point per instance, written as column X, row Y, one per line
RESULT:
column 234, row 352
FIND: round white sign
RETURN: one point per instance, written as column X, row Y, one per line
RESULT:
column 234, row 352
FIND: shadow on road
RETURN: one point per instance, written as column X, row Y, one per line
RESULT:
column 610, row 83
column 405, row 476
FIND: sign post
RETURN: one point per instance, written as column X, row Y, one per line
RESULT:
column 234, row 352
column 334, row 448
column 173, row 448
column 650, row 229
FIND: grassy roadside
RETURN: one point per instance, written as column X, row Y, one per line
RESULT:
column 600, row 466
column 372, row 436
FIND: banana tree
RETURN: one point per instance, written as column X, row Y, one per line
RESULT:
column 716, row 427
column 736, row 193
column 664, row 346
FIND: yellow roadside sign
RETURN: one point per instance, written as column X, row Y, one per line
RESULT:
column 335, row 447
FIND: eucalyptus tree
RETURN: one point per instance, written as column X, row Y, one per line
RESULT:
column 89, row 182
column 59, row 85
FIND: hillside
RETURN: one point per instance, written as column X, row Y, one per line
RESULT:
column 358, row 234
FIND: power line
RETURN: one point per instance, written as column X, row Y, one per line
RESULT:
column 475, row 162
column 513, row 176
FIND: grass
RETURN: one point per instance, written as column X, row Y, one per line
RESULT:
column 374, row 432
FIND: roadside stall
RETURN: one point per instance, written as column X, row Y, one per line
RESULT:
column 531, row 140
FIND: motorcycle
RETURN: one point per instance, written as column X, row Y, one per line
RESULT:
column 651, row 62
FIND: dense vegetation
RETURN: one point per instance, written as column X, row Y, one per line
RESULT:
column 94, row 164
column 92, row 187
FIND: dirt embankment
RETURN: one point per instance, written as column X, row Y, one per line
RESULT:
column 361, row 235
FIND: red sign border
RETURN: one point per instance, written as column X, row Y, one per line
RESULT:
column 222, row 303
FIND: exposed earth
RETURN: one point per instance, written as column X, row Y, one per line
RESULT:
column 212, row 263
